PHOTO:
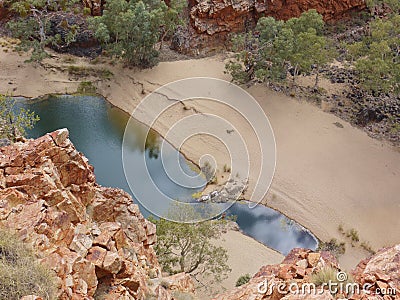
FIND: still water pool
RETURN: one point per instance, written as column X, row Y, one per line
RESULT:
column 97, row 129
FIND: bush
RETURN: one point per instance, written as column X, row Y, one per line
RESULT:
column 330, row 274
column 130, row 29
column 353, row 235
column 20, row 272
column 333, row 246
column 86, row 88
column 243, row 279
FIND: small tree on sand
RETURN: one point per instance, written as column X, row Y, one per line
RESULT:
column 188, row 247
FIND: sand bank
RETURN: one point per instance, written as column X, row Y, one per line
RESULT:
column 326, row 175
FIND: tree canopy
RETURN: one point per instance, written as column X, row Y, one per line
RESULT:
column 276, row 47
column 187, row 247
column 130, row 29
column 13, row 121
column 377, row 56
column 33, row 25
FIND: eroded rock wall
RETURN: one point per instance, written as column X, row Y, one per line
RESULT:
column 94, row 238
column 212, row 20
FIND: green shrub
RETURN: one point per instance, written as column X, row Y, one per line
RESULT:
column 86, row 87
column 20, row 272
column 353, row 235
column 243, row 279
column 83, row 71
column 333, row 246
column 367, row 247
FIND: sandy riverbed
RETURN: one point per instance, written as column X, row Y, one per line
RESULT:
column 325, row 176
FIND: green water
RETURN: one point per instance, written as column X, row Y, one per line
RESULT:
column 97, row 128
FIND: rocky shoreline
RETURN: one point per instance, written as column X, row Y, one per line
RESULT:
column 98, row 244
column 94, row 238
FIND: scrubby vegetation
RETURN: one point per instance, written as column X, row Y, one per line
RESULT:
column 333, row 246
column 127, row 29
column 86, row 88
column 276, row 48
column 377, row 56
column 302, row 45
column 20, row 272
column 130, row 29
column 34, row 22
column 243, row 279
column 329, row 274
column 354, row 238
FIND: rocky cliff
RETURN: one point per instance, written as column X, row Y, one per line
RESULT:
column 379, row 275
column 234, row 15
column 94, row 238
column 212, row 20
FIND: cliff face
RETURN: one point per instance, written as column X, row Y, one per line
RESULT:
column 381, row 272
column 233, row 15
column 212, row 20
column 94, row 238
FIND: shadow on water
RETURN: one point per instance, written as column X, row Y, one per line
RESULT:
column 97, row 128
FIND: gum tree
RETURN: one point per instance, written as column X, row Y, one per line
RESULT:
column 33, row 24
column 377, row 56
column 187, row 247
column 13, row 121
column 276, row 47
column 130, row 29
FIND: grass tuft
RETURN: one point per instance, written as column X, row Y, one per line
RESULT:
column 243, row 279
column 20, row 272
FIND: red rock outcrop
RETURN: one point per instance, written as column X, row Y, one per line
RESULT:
column 381, row 271
column 214, row 16
column 94, row 238
column 212, row 20
column 285, row 281
column 297, row 267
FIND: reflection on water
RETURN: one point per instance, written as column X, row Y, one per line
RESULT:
column 96, row 129
column 272, row 228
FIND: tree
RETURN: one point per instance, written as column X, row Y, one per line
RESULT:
column 13, row 122
column 277, row 46
column 311, row 50
column 33, row 24
column 187, row 247
column 130, row 29
column 172, row 18
column 377, row 56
